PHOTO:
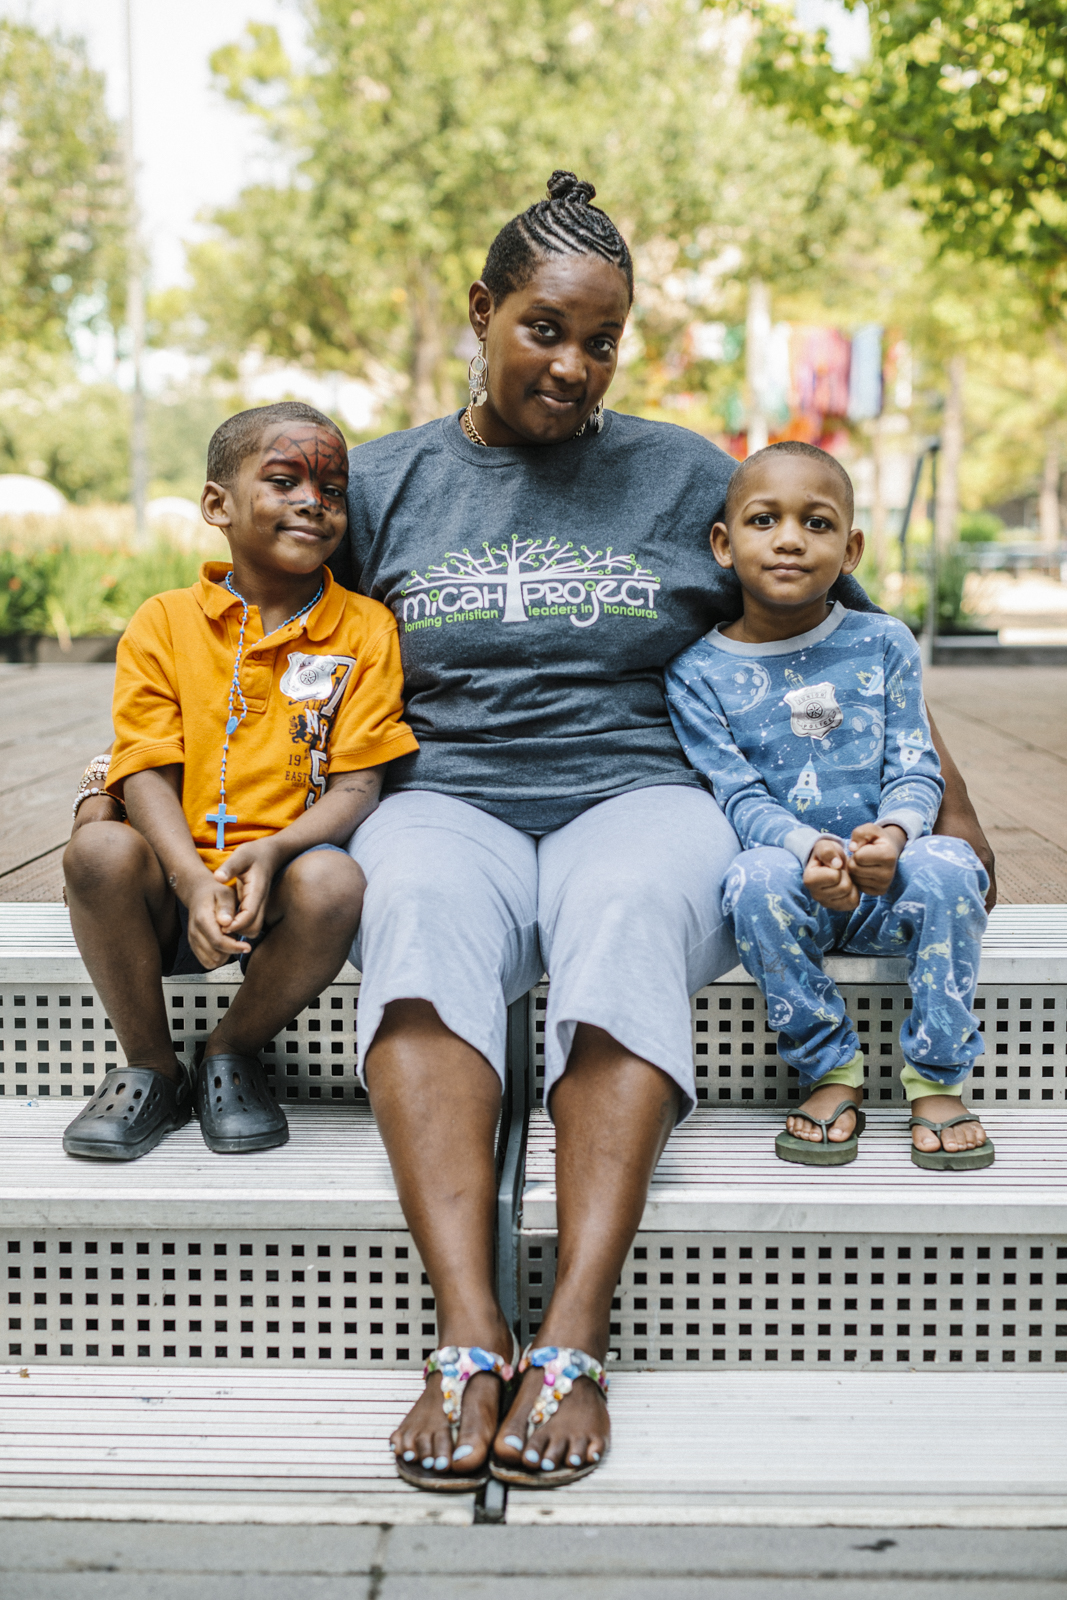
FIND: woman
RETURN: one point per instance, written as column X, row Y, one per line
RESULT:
column 545, row 559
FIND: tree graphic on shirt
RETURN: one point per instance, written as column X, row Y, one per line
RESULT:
column 526, row 558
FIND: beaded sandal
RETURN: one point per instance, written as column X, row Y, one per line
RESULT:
column 560, row 1368
column 458, row 1364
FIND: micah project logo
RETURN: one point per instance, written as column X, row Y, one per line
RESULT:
column 527, row 579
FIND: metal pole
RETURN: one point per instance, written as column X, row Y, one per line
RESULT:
column 135, row 311
column 929, row 633
column 905, row 523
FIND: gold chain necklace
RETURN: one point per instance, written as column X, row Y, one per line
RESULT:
column 470, row 430
column 475, row 437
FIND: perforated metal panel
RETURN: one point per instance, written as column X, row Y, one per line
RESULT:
column 214, row 1298
column 56, row 1041
column 736, row 1059
column 835, row 1301
column 1024, row 1027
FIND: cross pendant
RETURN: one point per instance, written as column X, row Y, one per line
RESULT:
column 220, row 817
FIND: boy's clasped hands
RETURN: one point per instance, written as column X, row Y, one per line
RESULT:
column 837, row 874
column 226, row 907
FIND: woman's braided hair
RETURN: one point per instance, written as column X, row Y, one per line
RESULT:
column 565, row 222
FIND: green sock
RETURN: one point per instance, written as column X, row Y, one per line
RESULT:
column 851, row 1074
column 916, row 1087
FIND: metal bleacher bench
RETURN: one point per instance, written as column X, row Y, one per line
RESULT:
column 214, row 1327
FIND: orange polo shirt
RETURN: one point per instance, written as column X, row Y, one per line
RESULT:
column 323, row 694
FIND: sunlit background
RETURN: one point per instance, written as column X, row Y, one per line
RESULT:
column 834, row 242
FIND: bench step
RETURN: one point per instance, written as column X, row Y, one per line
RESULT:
column 249, row 1447
column 297, row 1257
column 845, row 1449
column 745, row 1260
column 56, row 1043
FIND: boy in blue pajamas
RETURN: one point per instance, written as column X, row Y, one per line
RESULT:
column 809, row 721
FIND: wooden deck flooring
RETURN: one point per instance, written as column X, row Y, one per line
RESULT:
column 1007, row 728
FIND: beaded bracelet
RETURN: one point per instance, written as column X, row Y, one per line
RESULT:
column 97, row 769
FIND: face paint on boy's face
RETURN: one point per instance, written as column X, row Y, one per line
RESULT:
column 295, row 490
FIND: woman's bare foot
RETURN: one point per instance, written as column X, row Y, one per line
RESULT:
column 575, row 1434
column 425, row 1437
column 820, row 1103
column 941, row 1108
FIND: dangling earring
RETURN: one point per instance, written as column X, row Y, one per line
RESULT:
column 596, row 417
column 476, row 375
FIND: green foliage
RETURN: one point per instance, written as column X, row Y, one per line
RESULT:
column 912, row 596
column 77, row 434
column 25, row 583
column 417, row 131
column 68, row 588
column 97, row 591
column 980, row 527
column 62, row 205
column 952, row 569
column 965, row 100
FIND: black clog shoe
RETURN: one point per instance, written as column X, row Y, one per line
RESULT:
column 132, row 1110
column 237, row 1111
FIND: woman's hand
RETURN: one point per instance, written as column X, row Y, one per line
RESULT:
column 875, row 850
column 957, row 816
column 827, row 878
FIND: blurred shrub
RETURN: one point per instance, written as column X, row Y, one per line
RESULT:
column 25, row 584
column 980, row 527
column 78, row 573
column 907, row 598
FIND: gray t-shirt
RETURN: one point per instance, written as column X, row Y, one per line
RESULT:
column 539, row 594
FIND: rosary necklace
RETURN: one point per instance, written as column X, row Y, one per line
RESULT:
column 222, row 817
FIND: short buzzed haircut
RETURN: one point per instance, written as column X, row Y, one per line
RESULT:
column 238, row 437
column 789, row 447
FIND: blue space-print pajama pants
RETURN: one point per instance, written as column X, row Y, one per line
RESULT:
column 933, row 914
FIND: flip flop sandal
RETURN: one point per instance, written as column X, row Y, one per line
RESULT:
column 560, row 1368
column 458, row 1364
column 132, row 1110
column 237, row 1111
column 951, row 1160
column 788, row 1147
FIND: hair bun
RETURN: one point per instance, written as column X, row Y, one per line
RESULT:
column 567, row 186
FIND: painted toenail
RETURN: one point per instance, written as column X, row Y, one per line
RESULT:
column 427, row 1462
column 574, row 1461
column 531, row 1455
column 594, row 1455
column 547, row 1465
column 463, row 1452
column 513, row 1440
column 440, row 1464
column 409, row 1455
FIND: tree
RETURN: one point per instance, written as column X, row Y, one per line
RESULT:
column 417, row 131
column 965, row 101
column 62, row 203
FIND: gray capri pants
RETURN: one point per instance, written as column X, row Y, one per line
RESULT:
column 620, row 906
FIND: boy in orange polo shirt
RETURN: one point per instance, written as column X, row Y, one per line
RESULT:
column 253, row 715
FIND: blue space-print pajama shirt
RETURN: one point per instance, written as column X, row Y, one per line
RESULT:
column 807, row 738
